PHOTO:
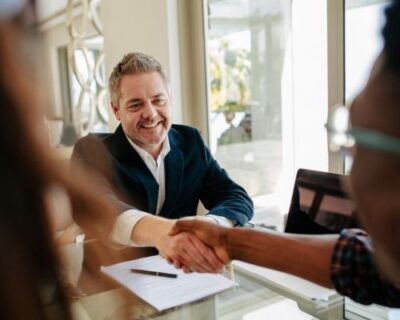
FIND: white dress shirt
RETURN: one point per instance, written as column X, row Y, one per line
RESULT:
column 127, row 220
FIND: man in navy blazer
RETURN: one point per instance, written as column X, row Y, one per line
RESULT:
column 157, row 172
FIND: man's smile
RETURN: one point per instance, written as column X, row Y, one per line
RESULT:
column 150, row 125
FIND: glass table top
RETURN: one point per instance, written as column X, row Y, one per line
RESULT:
column 251, row 299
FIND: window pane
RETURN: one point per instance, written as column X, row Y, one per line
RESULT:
column 247, row 43
column 363, row 42
column 361, row 50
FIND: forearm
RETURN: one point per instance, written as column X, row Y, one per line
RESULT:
column 151, row 230
column 308, row 257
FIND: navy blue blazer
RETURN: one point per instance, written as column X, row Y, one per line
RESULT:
column 191, row 175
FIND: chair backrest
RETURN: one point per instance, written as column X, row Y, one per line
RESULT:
column 320, row 204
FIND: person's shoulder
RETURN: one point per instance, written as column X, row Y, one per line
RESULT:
column 100, row 136
column 92, row 143
column 92, row 139
column 182, row 132
column 183, row 129
column 183, row 135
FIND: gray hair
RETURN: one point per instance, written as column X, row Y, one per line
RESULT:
column 133, row 63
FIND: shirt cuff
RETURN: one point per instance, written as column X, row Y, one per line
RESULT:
column 352, row 266
column 223, row 221
column 123, row 227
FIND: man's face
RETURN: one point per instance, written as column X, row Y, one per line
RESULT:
column 143, row 109
column 375, row 176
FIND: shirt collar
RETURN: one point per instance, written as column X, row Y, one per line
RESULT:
column 145, row 155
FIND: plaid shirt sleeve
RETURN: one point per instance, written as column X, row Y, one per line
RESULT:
column 354, row 272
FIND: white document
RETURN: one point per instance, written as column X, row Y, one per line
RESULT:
column 299, row 286
column 283, row 310
column 162, row 292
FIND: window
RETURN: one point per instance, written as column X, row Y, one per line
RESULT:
column 246, row 46
column 360, row 50
column 265, row 120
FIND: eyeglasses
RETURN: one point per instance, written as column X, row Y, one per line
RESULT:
column 342, row 137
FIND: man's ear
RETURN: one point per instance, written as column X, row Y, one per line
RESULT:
column 115, row 110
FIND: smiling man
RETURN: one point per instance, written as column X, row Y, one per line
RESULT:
column 157, row 172
column 145, row 111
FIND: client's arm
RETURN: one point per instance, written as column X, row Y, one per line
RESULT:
column 344, row 261
column 305, row 256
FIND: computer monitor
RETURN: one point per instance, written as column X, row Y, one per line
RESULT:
column 319, row 204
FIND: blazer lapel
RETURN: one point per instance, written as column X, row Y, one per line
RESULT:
column 134, row 166
column 173, row 177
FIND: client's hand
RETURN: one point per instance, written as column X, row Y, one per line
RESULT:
column 189, row 253
column 210, row 233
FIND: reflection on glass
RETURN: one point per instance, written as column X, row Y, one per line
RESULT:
column 246, row 45
column 330, row 211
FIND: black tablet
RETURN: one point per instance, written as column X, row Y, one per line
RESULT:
column 319, row 204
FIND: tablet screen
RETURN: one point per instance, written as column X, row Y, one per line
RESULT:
column 319, row 204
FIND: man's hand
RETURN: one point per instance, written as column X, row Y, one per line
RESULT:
column 189, row 253
column 184, row 250
column 210, row 233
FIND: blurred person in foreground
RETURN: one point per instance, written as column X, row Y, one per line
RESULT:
column 364, row 267
column 157, row 172
column 38, row 197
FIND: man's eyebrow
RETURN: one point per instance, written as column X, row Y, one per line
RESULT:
column 135, row 100
column 132, row 100
column 159, row 95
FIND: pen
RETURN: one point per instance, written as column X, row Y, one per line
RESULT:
column 155, row 273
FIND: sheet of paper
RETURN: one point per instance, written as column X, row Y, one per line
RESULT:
column 284, row 310
column 165, row 293
column 309, row 290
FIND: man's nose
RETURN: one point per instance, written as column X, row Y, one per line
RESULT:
column 149, row 111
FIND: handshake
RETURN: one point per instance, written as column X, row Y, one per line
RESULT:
column 196, row 245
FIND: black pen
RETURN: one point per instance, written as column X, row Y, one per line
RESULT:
column 155, row 273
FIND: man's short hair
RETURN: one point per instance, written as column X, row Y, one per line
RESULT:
column 133, row 63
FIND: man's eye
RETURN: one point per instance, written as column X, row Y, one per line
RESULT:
column 159, row 101
column 134, row 106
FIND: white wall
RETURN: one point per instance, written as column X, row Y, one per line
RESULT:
column 147, row 26
column 47, row 8
column 172, row 31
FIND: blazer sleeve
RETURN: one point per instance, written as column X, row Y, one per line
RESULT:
column 91, row 156
column 220, row 195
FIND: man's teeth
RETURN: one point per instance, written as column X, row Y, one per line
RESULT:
column 149, row 125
